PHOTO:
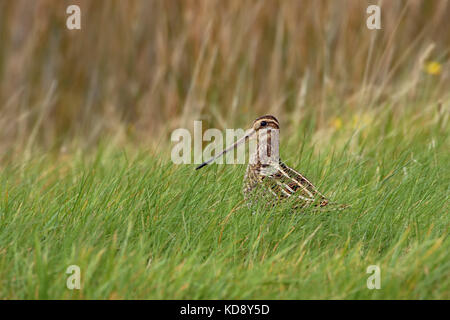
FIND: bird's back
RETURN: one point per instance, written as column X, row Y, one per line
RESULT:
column 277, row 182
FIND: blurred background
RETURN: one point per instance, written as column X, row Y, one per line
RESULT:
column 138, row 69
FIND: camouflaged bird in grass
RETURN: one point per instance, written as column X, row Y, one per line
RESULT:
column 267, row 178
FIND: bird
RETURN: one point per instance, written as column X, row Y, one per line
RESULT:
column 269, row 179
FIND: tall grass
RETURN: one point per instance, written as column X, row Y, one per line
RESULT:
column 140, row 227
column 139, row 69
column 86, row 177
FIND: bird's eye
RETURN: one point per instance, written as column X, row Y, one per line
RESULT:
column 263, row 123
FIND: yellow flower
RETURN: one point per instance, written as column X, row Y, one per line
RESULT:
column 434, row 68
column 337, row 123
column 361, row 121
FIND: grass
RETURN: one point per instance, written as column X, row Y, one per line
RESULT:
column 140, row 227
column 139, row 69
column 85, row 171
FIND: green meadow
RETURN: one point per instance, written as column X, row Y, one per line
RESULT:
column 87, row 181
column 141, row 227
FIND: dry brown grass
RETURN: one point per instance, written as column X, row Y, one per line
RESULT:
column 139, row 69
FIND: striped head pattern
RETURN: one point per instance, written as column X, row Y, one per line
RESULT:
column 262, row 124
column 266, row 122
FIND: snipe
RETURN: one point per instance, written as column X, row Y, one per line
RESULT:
column 267, row 178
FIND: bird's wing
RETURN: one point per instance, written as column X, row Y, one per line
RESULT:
column 287, row 182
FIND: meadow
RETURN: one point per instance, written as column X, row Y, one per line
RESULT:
column 86, row 177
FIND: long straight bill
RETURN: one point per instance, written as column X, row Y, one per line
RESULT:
column 237, row 143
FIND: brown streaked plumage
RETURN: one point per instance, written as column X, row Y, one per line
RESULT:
column 267, row 178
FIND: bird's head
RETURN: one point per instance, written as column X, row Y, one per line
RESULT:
column 267, row 122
